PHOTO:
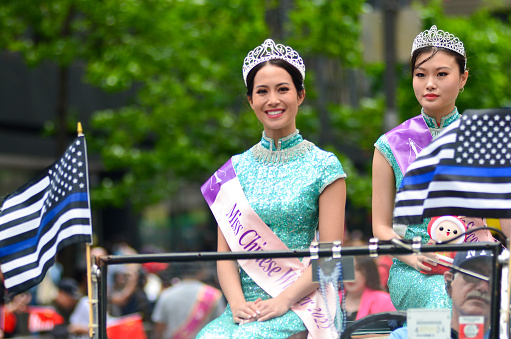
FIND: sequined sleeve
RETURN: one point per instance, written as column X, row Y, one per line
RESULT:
column 382, row 145
column 331, row 170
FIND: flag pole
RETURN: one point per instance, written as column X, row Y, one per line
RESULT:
column 89, row 263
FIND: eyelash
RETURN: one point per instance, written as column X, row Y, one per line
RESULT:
column 422, row 75
column 281, row 89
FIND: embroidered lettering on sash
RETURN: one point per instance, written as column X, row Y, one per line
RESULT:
column 234, row 221
column 287, row 278
column 244, row 230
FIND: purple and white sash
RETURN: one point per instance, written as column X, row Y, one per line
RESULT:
column 244, row 230
column 407, row 140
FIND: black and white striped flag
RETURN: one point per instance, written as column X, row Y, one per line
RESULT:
column 465, row 171
column 43, row 216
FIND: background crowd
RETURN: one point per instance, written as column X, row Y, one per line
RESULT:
column 61, row 305
column 58, row 307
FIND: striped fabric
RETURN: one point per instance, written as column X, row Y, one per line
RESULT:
column 465, row 171
column 46, row 214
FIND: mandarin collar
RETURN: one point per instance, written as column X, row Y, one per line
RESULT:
column 283, row 143
column 444, row 122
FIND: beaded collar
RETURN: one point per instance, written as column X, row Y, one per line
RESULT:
column 283, row 143
column 446, row 121
column 287, row 148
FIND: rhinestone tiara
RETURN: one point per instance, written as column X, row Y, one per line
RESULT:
column 269, row 50
column 438, row 38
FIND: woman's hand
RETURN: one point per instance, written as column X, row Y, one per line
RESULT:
column 271, row 308
column 245, row 312
column 418, row 262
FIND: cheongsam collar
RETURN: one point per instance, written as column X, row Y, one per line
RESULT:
column 283, row 143
column 287, row 149
column 446, row 121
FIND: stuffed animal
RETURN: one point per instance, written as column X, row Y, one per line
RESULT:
column 442, row 230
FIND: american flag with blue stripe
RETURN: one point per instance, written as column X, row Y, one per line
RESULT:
column 46, row 214
column 466, row 171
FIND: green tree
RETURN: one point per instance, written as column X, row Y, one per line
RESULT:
column 182, row 60
column 485, row 35
column 191, row 114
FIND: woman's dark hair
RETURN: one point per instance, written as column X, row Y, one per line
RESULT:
column 460, row 59
column 367, row 266
column 296, row 76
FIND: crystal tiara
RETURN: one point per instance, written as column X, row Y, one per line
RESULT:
column 269, row 50
column 438, row 38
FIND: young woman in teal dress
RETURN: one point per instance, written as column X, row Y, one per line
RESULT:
column 438, row 67
column 293, row 186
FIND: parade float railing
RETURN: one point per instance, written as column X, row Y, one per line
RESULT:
column 499, row 288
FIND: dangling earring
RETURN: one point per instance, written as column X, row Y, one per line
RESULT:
column 462, row 89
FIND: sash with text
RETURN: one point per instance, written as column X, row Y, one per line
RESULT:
column 244, row 230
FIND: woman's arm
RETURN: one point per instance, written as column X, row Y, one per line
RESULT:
column 229, row 278
column 384, row 194
column 331, row 227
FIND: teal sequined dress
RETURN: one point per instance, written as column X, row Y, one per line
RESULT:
column 408, row 287
column 282, row 184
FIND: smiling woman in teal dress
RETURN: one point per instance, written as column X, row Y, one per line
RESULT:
column 294, row 187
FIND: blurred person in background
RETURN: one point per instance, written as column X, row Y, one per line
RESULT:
column 384, row 262
column 46, row 291
column 153, row 284
column 78, row 327
column 67, row 296
column 198, row 302
column 128, row 295
column 126, row 291
column 364, row 296
column 14, row 315
column 18, row 318
column 98, row 252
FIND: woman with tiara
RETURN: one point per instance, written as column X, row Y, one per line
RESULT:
column 438, row 67
column 275, row 196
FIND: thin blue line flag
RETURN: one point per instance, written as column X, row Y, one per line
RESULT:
column 46, row 214
column 465, row 171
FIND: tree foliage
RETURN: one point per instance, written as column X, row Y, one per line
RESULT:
column 485, row 35
column 190, row 112
column 182, row 60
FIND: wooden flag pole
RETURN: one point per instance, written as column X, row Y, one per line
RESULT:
column 89, row 270
column 89, row 290
column 80, row 129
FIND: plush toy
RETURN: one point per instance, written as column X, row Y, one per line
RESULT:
column 442, row 230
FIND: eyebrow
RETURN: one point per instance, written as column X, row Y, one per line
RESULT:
column 437, row 69
column 282, row 83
